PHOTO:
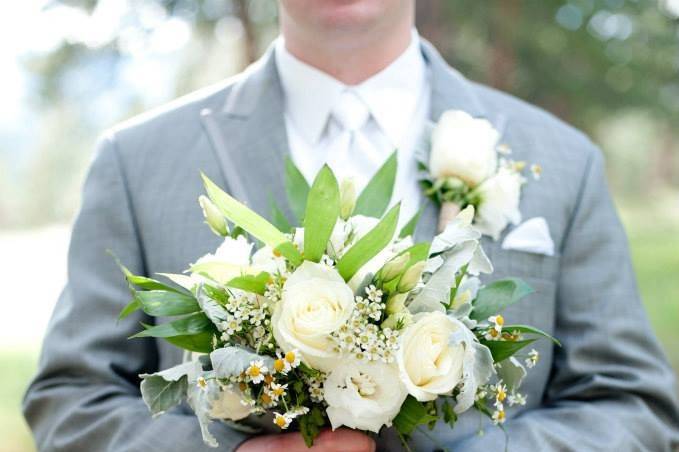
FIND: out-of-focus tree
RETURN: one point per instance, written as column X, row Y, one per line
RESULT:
column 610, row 67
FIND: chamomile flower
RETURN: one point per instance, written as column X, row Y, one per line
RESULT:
column 495, row 330
column 282, row 420
column 500, row 391
column 536, row 170
column 256, row 371
column 516, row 398
column 292, row 358
column 533, row 358
column 276, row 391
column 499, row 417
column 201, row 382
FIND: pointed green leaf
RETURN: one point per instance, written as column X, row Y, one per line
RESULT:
column 278, row 217
column 192, row 324
column 297, row 189
column 164, row 303
column 369, row 245
column 251, row 283
column 495, row 297
column 322, row 211
column 199, row 343
column 254, row 224
column 132, row 306
column 375, row 197
column 502, row 350
column 144, row 282
column 411, row 225
column 525, row 329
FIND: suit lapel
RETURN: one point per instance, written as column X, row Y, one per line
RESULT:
column 249, row 138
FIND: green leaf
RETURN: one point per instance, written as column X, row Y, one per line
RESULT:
column 132, row 306
column 278, row 217
column 412, row 414
column 160, row 394
column 322, row 211
column 164, row 303
column 200, row 343
column 254, row 224
column 449, row 414
column 374, row 199
column 310, row 425
column 409, row 227
column 233, row 360
column 251, row 283
column 297, row 189
column 502, row 350
column 144, row 282
column 495, row 297
column 192, row 324
column 525, row 329
column 369, row 245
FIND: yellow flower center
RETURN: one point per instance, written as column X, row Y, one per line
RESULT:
column 280, row 421
column 290, row 357
column 266, row 399
column 254, row 371
column 279, row 365
column 500, row 320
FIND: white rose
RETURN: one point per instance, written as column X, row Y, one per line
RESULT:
column 499, row 202
column 315, row 303
column 464, row 147
column 363, row 395
column 228, row 405
column 437, row 353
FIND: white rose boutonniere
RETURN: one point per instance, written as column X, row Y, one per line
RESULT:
column 466, row 167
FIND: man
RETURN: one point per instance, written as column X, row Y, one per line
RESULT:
column 349, row 81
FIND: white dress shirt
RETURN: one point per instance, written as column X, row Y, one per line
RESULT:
column 397, row 102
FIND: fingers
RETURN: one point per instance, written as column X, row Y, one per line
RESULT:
column 341, row 440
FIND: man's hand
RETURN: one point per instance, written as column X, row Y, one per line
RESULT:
column 341, row 440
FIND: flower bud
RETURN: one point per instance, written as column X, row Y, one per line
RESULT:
column 398, row 320
column 347, row 198
column 213, row 217
column 396, row 303
column 411, row 277
column 394, row 267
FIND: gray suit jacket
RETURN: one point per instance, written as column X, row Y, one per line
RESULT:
column 608, row 388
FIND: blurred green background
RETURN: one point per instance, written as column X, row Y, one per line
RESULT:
column 69, row 69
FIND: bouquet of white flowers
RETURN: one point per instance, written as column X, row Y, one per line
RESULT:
column 340, row 322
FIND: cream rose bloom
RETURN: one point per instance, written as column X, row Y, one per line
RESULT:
column 228, row 405
column 499, row 206
column 315, row 303
column 363, row 395
column 437, row 353
column 464, row 147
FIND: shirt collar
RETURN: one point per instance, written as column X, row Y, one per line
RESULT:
column 392, row 95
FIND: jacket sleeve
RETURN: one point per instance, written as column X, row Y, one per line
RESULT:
column 86, row 395
column 610, row 386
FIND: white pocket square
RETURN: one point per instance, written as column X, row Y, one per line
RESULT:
column 531, row 236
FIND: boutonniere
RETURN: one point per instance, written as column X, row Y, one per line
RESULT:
column 468, row 165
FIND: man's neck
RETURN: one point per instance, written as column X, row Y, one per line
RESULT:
column 350, row 62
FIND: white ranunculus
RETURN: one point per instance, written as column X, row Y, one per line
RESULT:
column 363, row 395
column 315, row 303
column 228, row 405
column 437, row 353
column 464, row 147
column 264, row 260
column 231, row 259
column 499, row 205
